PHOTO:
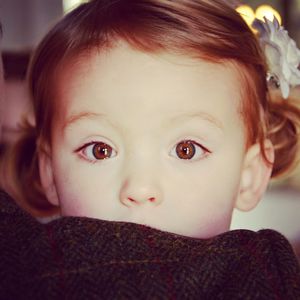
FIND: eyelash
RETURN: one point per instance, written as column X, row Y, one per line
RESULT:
column 86, row 146
column 174, row 152
column 196, row 147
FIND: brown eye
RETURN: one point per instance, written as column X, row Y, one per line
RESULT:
column 102, row 151
column 185, row 150
column 96, row 151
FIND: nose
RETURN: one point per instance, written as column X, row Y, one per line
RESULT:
column 138, row 191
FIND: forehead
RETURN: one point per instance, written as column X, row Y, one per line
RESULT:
column 123, row 79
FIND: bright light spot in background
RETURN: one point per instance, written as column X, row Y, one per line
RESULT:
column 269, row 12
column 262, row 11
column 68, row 5
column 247, row 13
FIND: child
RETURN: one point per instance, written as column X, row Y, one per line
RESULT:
column 153, row 112
column 156, row 113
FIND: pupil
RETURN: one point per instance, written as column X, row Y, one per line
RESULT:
column 185, row 150
column 102, row 151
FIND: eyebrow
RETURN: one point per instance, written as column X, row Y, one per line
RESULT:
column 203, row 116
column 85, row 116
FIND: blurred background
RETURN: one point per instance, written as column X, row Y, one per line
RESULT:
column 26, row 21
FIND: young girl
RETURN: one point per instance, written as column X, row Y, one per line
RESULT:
column 152, row 112
column 156, row 113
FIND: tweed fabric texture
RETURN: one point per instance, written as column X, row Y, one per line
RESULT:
column 82, row 258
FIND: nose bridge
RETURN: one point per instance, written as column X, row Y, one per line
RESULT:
column 142, row 158
column 140, row 182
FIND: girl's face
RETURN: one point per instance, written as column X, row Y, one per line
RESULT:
column 150, row 139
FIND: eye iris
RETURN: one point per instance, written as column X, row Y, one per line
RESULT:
column 102, row 151
column 185, row 150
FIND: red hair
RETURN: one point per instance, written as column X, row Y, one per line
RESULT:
column 203, row 29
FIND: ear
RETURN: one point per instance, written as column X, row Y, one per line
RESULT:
column 46, row 176
column 256, row 174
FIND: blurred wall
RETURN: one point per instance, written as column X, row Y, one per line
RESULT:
column 26, row 21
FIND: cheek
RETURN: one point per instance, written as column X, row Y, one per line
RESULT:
column 82, row 189
column 213, row 183
column 203, row 195
column 201, row 212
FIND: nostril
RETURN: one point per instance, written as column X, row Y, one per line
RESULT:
column 130, row 202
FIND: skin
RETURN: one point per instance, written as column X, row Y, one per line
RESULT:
column 143, row 106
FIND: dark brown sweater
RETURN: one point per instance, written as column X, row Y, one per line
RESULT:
column 82, row 258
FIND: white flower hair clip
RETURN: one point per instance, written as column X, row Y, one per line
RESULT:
column 283, row 56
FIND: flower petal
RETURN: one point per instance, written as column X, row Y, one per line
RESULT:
column 285, row 88
column 283, row 56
